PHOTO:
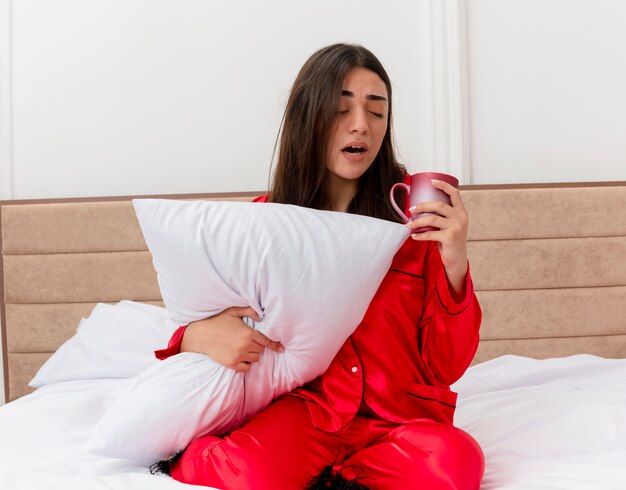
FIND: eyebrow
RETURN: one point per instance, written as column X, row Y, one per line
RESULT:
column 347, row 93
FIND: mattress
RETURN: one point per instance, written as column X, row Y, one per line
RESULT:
column 543, row 424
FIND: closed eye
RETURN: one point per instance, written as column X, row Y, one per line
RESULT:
column 377, row 114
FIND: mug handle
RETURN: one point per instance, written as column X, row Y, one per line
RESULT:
column 393, row 201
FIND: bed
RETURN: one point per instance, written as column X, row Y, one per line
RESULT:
column 545, row 396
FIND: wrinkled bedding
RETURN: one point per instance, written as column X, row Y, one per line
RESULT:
column 555, row 423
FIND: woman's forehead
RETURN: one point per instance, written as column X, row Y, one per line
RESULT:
column 361, row 81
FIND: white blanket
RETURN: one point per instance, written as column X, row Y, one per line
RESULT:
column 550, row 424
column 43, row 437
column 553, row 424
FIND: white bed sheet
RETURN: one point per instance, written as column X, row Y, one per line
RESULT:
column 43, row 437
column 551, row 424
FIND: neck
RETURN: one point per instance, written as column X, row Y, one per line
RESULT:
column 340, row 192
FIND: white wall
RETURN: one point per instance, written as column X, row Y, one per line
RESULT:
column 163, row 96
column 546, row 84
column 101, row 97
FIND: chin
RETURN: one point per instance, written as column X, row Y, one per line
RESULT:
column 348, row 176
column 349, row 171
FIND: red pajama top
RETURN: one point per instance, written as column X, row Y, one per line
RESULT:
column 414, row 341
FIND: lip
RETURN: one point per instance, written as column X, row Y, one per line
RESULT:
column 355, row 157
column 362, row 144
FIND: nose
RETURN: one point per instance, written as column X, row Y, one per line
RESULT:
column 358, row 122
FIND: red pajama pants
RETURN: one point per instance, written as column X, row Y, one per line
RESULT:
column 280, row 449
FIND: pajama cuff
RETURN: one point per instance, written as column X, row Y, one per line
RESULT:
column 445, row 297
column 173, row 347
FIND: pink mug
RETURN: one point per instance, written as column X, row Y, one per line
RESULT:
column 421, row 190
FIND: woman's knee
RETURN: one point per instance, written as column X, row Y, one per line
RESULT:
column 423, row 455
column 445, row 453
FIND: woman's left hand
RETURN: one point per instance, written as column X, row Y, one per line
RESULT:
column 452, row 221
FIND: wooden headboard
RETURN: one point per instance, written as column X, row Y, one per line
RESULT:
column 548, row 262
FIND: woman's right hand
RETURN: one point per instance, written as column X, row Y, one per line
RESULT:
column 227, row 340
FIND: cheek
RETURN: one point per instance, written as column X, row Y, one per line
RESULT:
column 335, row 130
column 380, row 133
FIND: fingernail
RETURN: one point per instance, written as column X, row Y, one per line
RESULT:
column 412, row 210
column 435, row 181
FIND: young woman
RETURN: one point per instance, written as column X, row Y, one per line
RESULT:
column 381, row 416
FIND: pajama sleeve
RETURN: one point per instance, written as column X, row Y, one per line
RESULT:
column 449, row 327
column 173, row 346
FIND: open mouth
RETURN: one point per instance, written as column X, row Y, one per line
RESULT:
column 354, row 149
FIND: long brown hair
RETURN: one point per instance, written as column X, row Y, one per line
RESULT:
column 300, row 174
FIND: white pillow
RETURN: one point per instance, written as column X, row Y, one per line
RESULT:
column 116, row 341
column 310, row 275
